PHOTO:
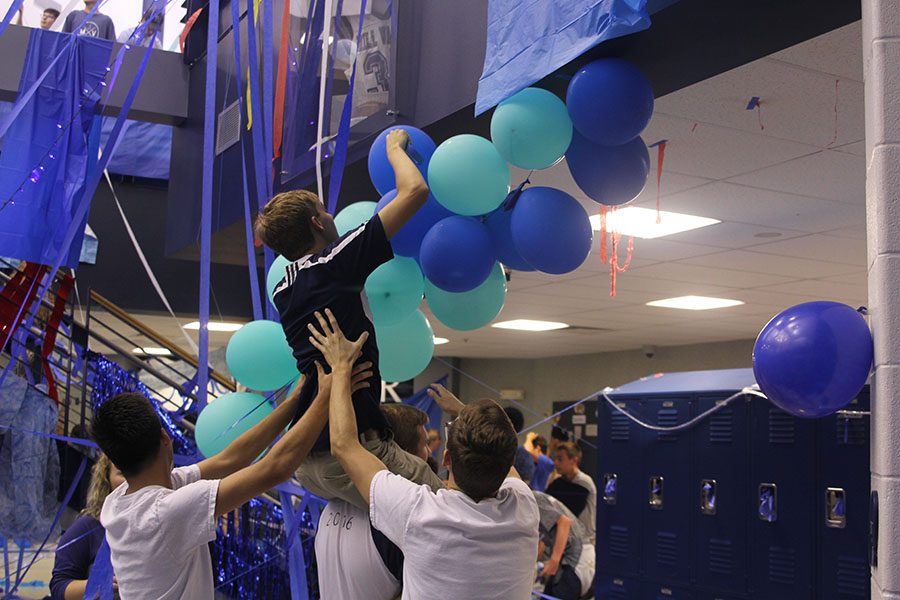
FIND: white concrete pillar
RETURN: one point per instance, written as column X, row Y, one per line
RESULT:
column 881, row 65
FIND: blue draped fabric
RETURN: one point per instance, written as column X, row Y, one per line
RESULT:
column 55, row 122
column 422, row 401
column 528, row 40
column 143, row 149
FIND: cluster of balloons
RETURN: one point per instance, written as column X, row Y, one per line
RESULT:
column 812, row 359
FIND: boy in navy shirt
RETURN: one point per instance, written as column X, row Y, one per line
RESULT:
column 328, row 271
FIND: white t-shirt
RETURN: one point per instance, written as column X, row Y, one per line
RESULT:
column 588, row 516
column 350, row 566
column 157, row 537
column 454, row 545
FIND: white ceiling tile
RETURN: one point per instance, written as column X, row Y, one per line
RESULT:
column 827, row 174
column 837, row 52
column 824, row 290
column 851, row 251
column 706, row 275
column 755, row 262
column 857, row 148
column 733, row 235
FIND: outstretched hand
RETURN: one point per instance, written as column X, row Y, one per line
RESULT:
column 331, row 342
column 359, row 378
column 444, row 398
column 397, row 138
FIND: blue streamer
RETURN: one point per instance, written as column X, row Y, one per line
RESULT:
column 268, row 85
column 296, row 562
column 100, row 579
column 15, row 7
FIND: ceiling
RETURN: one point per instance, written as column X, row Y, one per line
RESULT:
column 788, row 184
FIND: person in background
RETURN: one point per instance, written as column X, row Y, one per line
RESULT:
column 143, row 38
column 434, row 442
column 49, row 17
column 567, row 553
column 573, row 487
column 79, row 544
column 98, row 26
column 524, row 462
column 536, row 445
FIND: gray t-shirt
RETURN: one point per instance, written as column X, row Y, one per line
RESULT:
column 98, row 26
column 551, row 510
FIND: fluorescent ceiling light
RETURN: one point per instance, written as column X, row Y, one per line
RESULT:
column 439, row 340
column 151, row 351
column 530, row 325
column 215, row 326
column 695, row 303
column 641, row 222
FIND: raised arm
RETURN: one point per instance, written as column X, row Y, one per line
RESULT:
column 360, row 464
column 412, row 191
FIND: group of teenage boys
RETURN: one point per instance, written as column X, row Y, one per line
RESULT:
column 390, row 524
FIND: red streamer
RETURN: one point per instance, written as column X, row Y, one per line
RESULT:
column 834, row 137
column 759, row 115
column 281, row 82
column 603, row 209
column 660, row 158
column 187, row 28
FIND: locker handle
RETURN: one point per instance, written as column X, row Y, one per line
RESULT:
column 768, row 502
column 835, row 508
column 708, row 496
column 610, row 484
column 656, row 492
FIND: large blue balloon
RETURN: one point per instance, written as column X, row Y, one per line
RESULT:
column 408, row 240
column 275, row 275
column 395, row 290
column 259, row 357
column 224, row 420
column 498, row 228
column 457, row 254
column 610, row 101
column 353, row 216
column 420, row 149
column 469, row 310
column 468, row 176
column 532, row 129
column 813, row 359
column 404, row 348
column 551, row 230
column 611, row 175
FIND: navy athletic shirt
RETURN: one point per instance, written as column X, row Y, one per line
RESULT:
column 334, row 279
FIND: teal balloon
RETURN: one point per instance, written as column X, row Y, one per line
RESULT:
column 224, row 419
column 259, row 357
column 395, row 290
column 468, row 176
column 404, row 348
column 469, row 310
column 353, row 216
column 532, row 129
column 275, row 275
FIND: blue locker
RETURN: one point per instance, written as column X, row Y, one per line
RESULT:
column 661, row 591
column 842, row 503
column 720, row 480
column 620, row 489
column 667, row 493
column 781, row 504
column 613, row 587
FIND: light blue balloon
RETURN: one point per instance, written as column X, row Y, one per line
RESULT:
column 404, row 348
column 469, row 310
column 259, row 357
column 532, row 129
column 224, row 419
column 353, row 216
column 275, row 275
column 468, row 176
column 395, row 290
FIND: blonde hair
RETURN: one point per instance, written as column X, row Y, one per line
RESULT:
column 99, row 488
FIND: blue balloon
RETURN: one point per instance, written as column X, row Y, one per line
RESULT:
column 532, row 129
column 408, row 240
column 259, row 357
column 812, row 359
column 420, row 149
column 394, row 290
column 498, row 227
column 353, row 216
column 275, row 275
column 469, row 310
column 610, row 101
column 551, row 230
column 404, row 348
column 468, row 176
column 224, row 420
column 611, row 175
column 457, row 254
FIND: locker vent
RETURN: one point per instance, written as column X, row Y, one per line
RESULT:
column 667, row 417
column 228, row 127
column 620, row 427
column 616, row 592
column 721, row 559
column 782, row 565
column 618, row 541
column 666, row 548
column 852, row 577
column 852, row 432
column 781, row 427
column 721, row 427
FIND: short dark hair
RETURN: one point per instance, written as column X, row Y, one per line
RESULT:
column 515, row 415
column 284, row 223
column 53, row 12
column 570, row 448
column 540, row 442
column 482, row 445
column 126, row 427
column 406, row 422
